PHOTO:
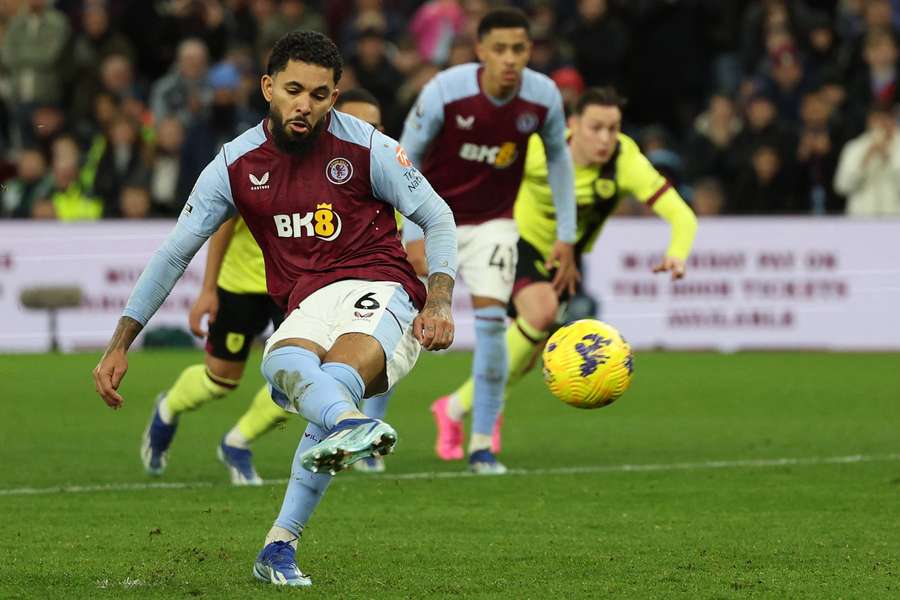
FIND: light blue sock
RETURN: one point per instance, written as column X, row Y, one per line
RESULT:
column 305, row 489
column 489, row 368
column 376, row 406
column 320, row 393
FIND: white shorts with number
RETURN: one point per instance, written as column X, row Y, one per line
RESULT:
column 487, row 257
column 381, row 309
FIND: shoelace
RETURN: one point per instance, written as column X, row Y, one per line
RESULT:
column 283, row 552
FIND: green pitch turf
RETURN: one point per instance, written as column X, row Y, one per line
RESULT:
column 739, row 489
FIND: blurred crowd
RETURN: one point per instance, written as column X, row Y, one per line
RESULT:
column 111, row 108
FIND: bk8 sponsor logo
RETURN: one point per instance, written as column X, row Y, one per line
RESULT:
column 500, row 156
column 323, row 223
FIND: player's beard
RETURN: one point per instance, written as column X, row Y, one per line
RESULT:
column 293, row 144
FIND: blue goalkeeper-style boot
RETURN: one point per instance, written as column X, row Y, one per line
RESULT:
column 277, row 564
column 157, row 438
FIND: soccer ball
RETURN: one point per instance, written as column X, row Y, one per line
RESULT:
column 587, row 364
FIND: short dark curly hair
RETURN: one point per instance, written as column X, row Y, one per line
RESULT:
column 505, row 17
column 305, row 46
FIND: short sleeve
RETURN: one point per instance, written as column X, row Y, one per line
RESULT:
column 210, row 203
column 394, row 178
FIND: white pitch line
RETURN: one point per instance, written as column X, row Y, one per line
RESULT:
column 583, row 470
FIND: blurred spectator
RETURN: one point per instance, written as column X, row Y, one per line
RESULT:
column 816, row 157
column 462, row 51
column 406, row 56
column 97, row 41
column 768, row 25
column 67, row 199
column 545, row 56
column 786, row 82
column 656, row 145
column 763, row 187
column 570, row 84
column 169, row 182
column 29, row 185
column 290, row 16
column 34, row 51
column 47, row 122
column 711, row 146
column 374, row 70
column 868, row 172
column 708, row 197
column 122, row 160
column 821, row 45
column 250, row 17
column 858, row 19
column 600, row 42
column 115, row 75
column 762, row 123
column 876, row 82
column 370, row 14
column 434, row 26
column 205, row 20
column 184, row 93
column 134, row 202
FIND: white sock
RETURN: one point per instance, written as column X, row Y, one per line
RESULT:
column 455, row 409
column 479, row 441
column 164, row 413
column 235, row 439
column 280, row 534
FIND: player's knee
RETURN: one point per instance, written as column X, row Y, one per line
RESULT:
column 225, row 370
column 540, row 315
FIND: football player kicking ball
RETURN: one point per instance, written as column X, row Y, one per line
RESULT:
column 239, row 309
column 469, row 132
column 356, row 314
column 608, row 166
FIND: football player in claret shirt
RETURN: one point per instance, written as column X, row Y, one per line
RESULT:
column 238, row 308
column 608, row 166
column 317, row 189
column 468, row 132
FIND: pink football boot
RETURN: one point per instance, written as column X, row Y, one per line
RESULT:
column 495, row 438
column 449, row 432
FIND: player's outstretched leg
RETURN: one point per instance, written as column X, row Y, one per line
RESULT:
column 194, row 387
column 327, row 395
column 276, row 562
column 523, row 342
column 374, row 407
column 234, row 449
column 489, row 370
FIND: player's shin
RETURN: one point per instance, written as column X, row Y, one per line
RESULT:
column 523, row 343
column 193, row 388
column 304, row 492
column 489, row 370
column 322, row 394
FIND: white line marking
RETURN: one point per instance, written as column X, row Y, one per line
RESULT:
column 582, row 470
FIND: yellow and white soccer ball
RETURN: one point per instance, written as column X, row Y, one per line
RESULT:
column 587, row 364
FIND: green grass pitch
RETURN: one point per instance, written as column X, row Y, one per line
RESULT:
column 708, row 509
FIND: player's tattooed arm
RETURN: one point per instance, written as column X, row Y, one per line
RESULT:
column 433, row 327
column 113, row 364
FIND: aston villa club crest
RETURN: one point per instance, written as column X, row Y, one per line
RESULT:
column 527, row 122
column 339, row 171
